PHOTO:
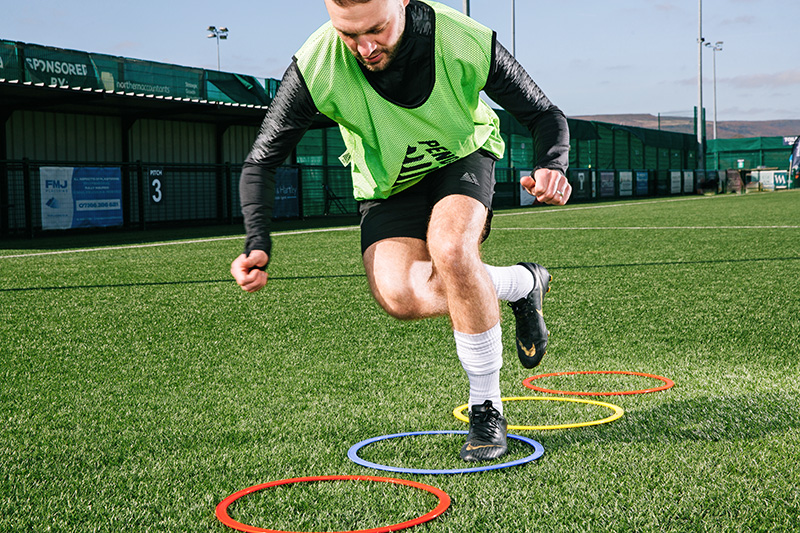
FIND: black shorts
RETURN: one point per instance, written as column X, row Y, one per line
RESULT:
column 406, row 214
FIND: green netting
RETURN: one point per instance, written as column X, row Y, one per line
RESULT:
column 154, row 78
column 310, row 151
column 71, row 68
column 622, row 149
column 521, row 149
column 650, row 157
column 749, row 153
column 605, row 146
column 9, row 63
column 234, row 88
column 636, row 156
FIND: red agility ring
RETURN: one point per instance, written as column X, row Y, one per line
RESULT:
column 667, row 383
column 444, row 503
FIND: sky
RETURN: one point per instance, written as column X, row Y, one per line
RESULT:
column 590, row 57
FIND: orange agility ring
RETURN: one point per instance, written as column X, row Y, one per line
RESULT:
column 444, row 503
column 667, row 383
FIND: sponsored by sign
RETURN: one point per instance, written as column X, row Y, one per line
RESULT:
column 62, row 68
column 80, row 197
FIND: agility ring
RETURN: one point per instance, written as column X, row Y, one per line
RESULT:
column 444, row 503
column 458, row 412
column 352, row 453
column 668, row 383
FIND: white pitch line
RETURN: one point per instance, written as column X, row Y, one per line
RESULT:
column 543, row 210
column 172, row 243
column 636, row 228
column 353, row 228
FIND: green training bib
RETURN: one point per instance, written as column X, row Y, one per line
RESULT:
column 390, row 147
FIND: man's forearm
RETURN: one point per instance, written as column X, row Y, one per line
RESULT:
column 289, row 116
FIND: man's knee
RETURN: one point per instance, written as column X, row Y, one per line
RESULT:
column 395, row 299
column 452, row 254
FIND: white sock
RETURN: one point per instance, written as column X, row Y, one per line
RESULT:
column 511, row 283
column 481, row 355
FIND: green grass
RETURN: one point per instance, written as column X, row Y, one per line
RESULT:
column 141, row 386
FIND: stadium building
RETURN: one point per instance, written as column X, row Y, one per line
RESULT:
column 93, row 140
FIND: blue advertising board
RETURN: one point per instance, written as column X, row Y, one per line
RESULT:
column 287, row 197
column 642, row 184
column 80, row 197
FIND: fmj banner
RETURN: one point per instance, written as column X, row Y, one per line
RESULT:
column 80, row 197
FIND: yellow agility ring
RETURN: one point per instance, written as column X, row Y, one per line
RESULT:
column 458, row 412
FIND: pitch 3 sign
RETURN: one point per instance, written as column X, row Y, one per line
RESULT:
column 80, row 197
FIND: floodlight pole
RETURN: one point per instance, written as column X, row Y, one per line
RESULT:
column 700, row 154
column 218, row 33
column 513, row 28
column 716, row 47
column 465, row 9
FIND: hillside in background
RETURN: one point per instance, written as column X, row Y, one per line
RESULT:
column 733, row 129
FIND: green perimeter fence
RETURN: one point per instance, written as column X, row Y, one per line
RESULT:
column 157, row 195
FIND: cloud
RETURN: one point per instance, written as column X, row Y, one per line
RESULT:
column 667, row 7
column 746, row 20
column 778, row 79
column 757, row 113
column 124, row 46
column 787, row 78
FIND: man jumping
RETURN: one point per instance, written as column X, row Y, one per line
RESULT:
column 402, row 78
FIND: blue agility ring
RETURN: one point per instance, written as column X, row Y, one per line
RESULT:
column 352, row 453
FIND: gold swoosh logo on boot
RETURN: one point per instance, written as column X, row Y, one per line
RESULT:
column 529, row 353
column 470, row 447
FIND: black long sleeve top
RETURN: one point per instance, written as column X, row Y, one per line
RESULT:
column 407, row 82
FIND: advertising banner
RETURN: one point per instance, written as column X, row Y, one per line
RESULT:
column 625, row 183
column 688, row 180
column 160, row 80
column 108, row 69
column 642, row 184
column 606, row 183
column 525, row 198
column 580, row 182
column 59, row 67
column 794, row 158
column 767, row 180
column 225, row 87
column 675, row 181
column 9, row 64
column 80, row 197
column 781, row 179
column 287, row 199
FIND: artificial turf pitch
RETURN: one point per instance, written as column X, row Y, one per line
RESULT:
column 141, row 386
